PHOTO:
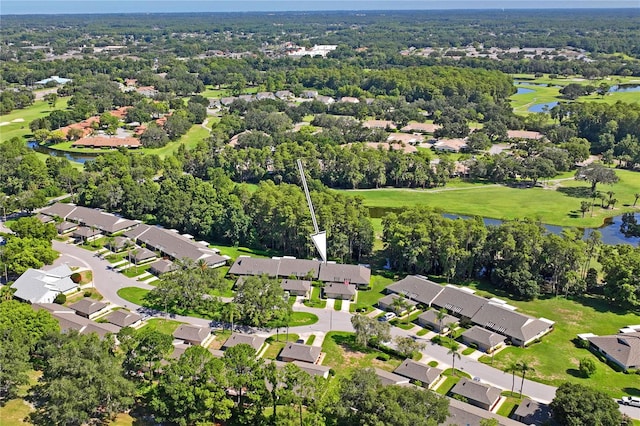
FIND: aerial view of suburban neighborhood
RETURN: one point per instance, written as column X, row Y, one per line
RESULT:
column 320, row 213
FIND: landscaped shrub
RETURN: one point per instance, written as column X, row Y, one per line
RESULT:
column 60, row 299
column 587, row 367
column 87, row 294
column 383, row 357
column 581, row 343
column 76, row 277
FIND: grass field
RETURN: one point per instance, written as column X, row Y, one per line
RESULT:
column 276, row 343
column 164, row 326
column 544, row 94
column 342, row 356
column 370, row 297
column 557, row 204
column 134, row 295
column 21, row 128
column 556, row 358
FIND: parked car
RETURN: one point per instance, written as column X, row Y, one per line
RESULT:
column 387, row 317
column 633, row 401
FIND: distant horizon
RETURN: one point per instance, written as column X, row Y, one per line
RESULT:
column 88, row 7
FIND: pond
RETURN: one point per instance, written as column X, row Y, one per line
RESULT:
column 610, row 231
column 542, row 107
column 625, row 88
column 522, row 91
column 71, row 156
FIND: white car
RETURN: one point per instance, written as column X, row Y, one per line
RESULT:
column 633, row 401
column 387, row 317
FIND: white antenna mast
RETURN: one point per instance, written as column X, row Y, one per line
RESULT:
column 319, row 238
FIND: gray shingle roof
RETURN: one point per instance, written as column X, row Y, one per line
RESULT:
column 430, row 317
column 624, row 347
column 480, row 392
column 300, row 352
column 87, row 306
column 387, row 378
column 295, row 285
column 339, row 288
column 417, row 288
column 101, row 329
column 255, row 266
column 86, row 232
column 299, row 268
column 106, row 222
column 483, row 336
column 533, row 412
column 191, row 333
column 459, row 302
column 173, row 244
column 65, row 226
column 463, row 414
column 389, row 299
column 123, row 318
column 509, row 323
column 252, row 340
column 313, row 369
column 70, row 321
column 162, row 266
column 354, row 274
column 52, row 308
column 141, row 254
column 418, row 371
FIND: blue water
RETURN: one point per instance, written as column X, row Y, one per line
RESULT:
column 522, row 91
column 71, row 156
column 541, row 107
column 624, row 88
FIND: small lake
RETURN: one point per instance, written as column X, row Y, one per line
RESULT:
column 542, row 107
column 610, row 230
column 522, row 91
column 625, row 88
column 71, row 156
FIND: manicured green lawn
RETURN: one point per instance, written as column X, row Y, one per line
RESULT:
column 343, row 356
column 337, row 305
column 508, row 406
column 557, row 205
column 369, row 298
column 555, row 359
column 316, row 301
column 165, row 326
column 134, row 271
column 21, row 128
column 134, row 295
column 311, row 339
column 189, row 140
column 447, row 385
column 302, row 318
column 234, row 252
column 275, row 346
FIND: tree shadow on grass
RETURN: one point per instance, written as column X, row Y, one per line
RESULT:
column 575, row 373
column 631, row 391
column 576, row 192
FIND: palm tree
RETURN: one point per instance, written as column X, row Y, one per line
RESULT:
column 202, row 265
column 453, row 351
column 524, row 369
column 512, row 368
column 232, row 311
column 440, row 316
column 399, row 305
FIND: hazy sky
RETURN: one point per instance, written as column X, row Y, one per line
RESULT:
column 8, row 7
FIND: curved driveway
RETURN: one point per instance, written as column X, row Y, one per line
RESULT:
column 108, row 282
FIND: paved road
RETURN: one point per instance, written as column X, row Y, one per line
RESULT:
column 108, row 282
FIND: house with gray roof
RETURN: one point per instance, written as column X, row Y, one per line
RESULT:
column 44, row 218
column 162, row 266
column 84, row 233
column 430, row 319
column 38, row 286
column 339, row 291
column 174, row 245
column 256, row 342
column 88, row 308
column 101, row 329
column 463, row 414
column 343, row 273
column 296, row 287
column 520, row 329
column 387, row 378
column 622, row 349
column 123, row 318
column 52, row 308
column 192, row 334
column 245, row 265
column 106, row 222
column 459, row 302
column 284, row 94
column 299, row 268
column 418, row 288
column 313, row 369
column 476, row 393
column 142, row 255
column 180, row 348
column 532, row 412
column 70, row 321
column 119, row 243
column 65, row 227
column 397, row 304
column 418, row 372
column 485, row 340
column 299, row 352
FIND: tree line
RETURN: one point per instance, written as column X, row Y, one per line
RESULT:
column 517, row 256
